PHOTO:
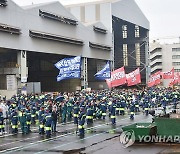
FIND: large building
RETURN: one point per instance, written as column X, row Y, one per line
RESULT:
column 129, row 26
column 163, row 57
column 34, row 38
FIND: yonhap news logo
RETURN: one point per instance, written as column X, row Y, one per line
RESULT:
column 127, row 138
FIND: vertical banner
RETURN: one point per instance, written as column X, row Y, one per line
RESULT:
column 168, row 75
column 133, row 78
column 69, row 68
column 118, row 77
column 155, row 79
column 105, row 73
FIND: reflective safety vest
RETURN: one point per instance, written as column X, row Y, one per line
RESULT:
column 80, row 126
column 47, row 128
column 113, row 117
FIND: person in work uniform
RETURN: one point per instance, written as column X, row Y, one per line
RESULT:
column 76, row 112
column 82, row 117
column 28, row 120
column 48, row 122
column 23, row 121
column 33, row 114
column 1, row 122
column 103, row 108
column 64, row 112
column 14, row 121
column 122, row 106
column 89, row 114
column 132, row 107
column 41, row 120
column 113, row 112
column 69, row 110
column 54, row 119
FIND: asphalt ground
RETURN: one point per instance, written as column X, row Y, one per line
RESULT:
column 102, row 137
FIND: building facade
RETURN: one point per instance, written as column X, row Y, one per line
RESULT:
column 130, row 30
column 34, row 38
column 164, row 57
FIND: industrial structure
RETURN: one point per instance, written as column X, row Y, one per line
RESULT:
column 163, row 57
column 33, row 38
column 130, row 30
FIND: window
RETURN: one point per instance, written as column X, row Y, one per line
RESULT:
column 176, row 57
column 177, row 70
column 125, row 54
column 176, row 49
column 176, row 63
column 136, row 31
column 124, row 31
column 138, row 58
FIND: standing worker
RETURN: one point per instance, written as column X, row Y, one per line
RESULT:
column 89, row 114
column 1, row 122
column 23, row 120
column 54, row 119
column 14, row 121
column 82, row 118
column 76, row 112
column 28, row 122
column 41, row 120
column 113, row 112
column 48, row 122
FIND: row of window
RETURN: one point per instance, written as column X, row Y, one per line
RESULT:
column 177, row 70
column 176, row 63
column 176, row 49
column 176, row 57
column 137, row 53
column 125, row 32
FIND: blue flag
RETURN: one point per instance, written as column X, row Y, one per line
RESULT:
column 105, row 73
column 69, row 68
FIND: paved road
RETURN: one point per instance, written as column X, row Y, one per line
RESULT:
column 102, row 137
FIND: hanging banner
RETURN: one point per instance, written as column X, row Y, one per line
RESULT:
column 168, row 75
column 133, row 78
column 155, row 79
column 118, row 77
column 175, row 80
column 69, row 68
column 105, row 73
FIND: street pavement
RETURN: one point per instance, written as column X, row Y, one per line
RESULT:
column 102, row 137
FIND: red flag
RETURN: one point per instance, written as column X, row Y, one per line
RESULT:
column 134, row 77
column 168, row 75
column 118, row 77
column 175, row 80
column 155, row 79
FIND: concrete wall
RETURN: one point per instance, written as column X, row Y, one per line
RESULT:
column 29, row 19
column 93, row 13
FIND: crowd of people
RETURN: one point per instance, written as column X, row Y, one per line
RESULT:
column 82, row 107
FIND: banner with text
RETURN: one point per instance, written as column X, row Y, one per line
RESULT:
column 133, row 78
column 168, row 75
column 69, row 68
column 118, row 77
column 105, row 73
column 155, row 79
